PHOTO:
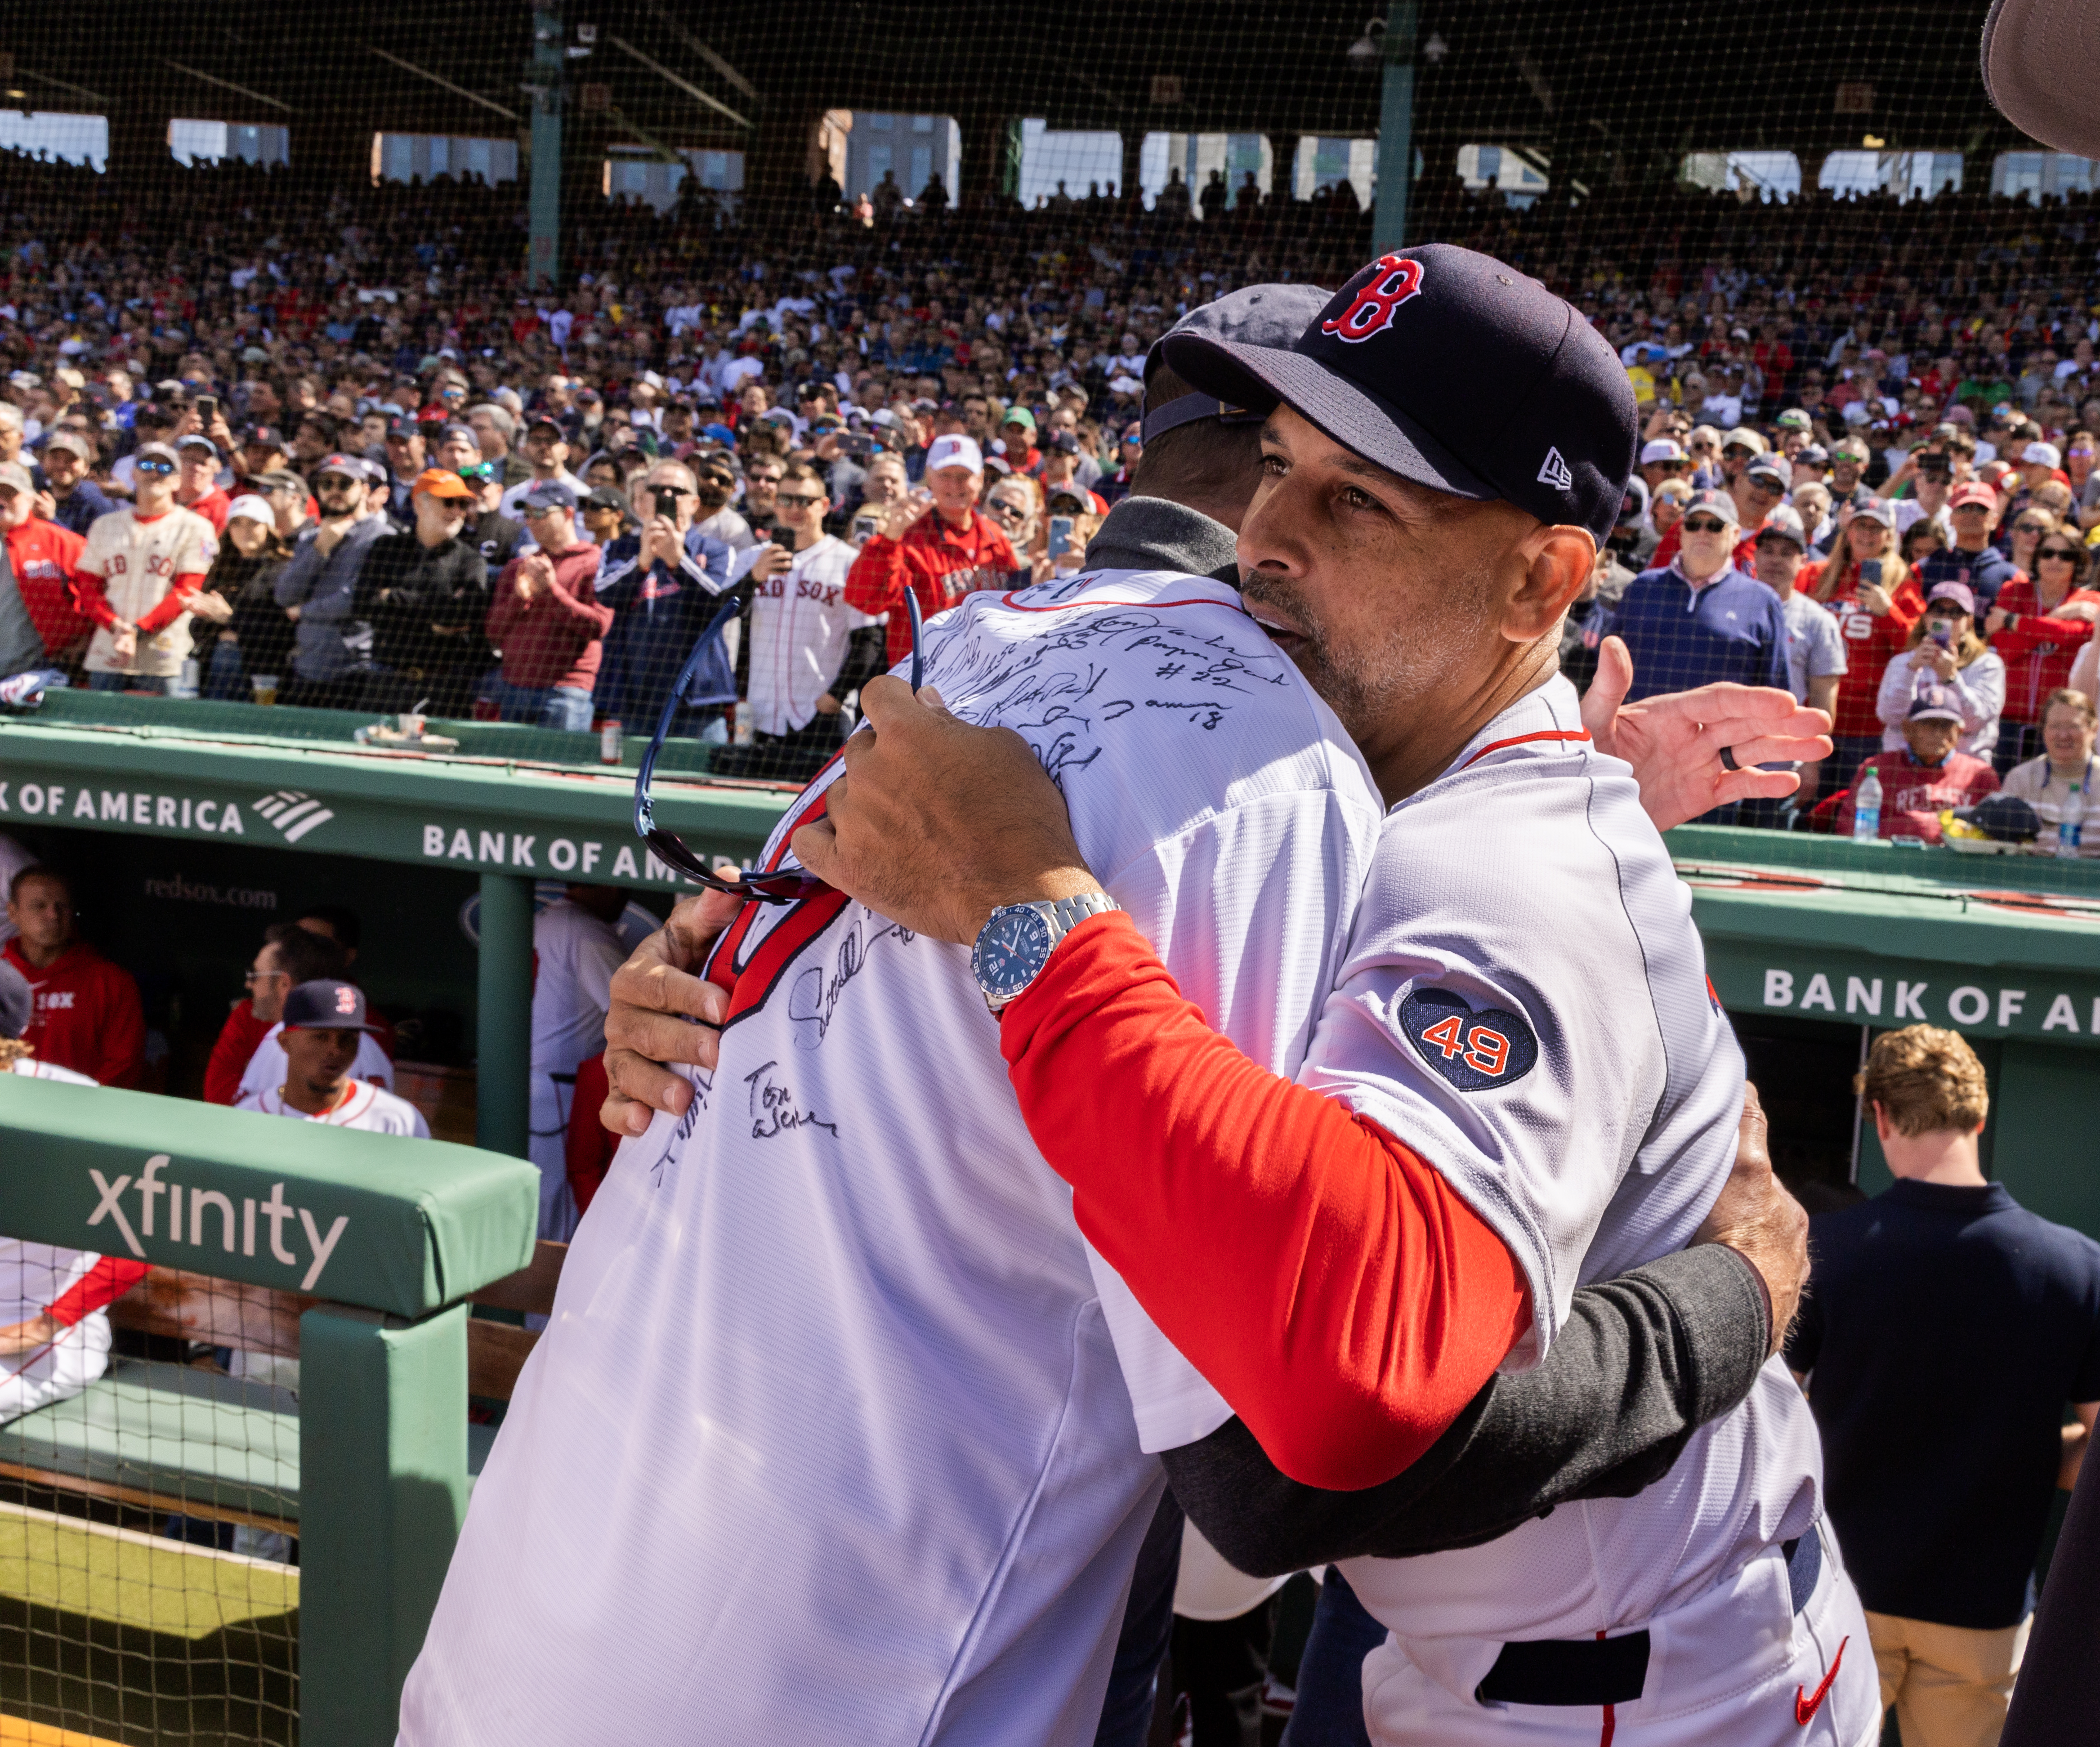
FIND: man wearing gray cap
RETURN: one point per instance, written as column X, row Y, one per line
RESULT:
column 75, row 499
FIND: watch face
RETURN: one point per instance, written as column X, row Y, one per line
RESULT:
column 1011, row 948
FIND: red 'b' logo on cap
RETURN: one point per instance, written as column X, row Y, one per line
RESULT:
column 346, row 1001
column 1393, row 282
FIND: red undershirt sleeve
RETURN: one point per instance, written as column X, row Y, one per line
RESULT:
column 171, row 605
column 1326, row 1281
column 110, row 1278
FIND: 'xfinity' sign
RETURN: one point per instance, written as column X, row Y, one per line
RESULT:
column 207, row 1213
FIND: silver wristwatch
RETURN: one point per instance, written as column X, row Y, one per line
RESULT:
column 1017, row 942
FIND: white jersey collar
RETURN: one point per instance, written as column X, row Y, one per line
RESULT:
column 1544, row 723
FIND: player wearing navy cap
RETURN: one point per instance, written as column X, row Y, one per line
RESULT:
column 325, row 1024
column 1520, row 1028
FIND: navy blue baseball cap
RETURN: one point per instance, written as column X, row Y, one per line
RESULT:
column 326, row 1004
column 549, row 494
column 1270, row 315
column 1450, row 369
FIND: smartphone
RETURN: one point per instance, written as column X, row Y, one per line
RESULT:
column 1061, row 536
column 207, row 409
column 864, row 527
column 1943, row 635
column 667, row 502
column 856, row 444
column 1870, row 572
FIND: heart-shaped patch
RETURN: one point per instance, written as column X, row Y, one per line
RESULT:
column 1475, row 1052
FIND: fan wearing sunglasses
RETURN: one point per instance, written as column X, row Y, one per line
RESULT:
column 805, row 649
column 2039, row 627
column 139, row 578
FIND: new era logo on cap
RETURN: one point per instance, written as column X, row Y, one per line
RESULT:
column 1553, row 471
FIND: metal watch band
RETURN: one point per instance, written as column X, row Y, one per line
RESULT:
column 1063, row 916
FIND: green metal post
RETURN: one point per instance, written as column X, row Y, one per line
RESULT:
column 503, row 1023
column 382, row 1480
column 1395, row 147
column 544, row 77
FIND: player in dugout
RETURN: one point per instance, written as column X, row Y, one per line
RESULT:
column 831, row 1383
column 1554, row 1139
column 54, row 1301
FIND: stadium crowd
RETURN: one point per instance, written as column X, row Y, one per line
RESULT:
column 353, row 464
column 423, row 486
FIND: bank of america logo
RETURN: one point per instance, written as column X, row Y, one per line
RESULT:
column 293, row 813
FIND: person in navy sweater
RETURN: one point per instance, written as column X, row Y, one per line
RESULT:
column 665, row 585
column 1699, row 618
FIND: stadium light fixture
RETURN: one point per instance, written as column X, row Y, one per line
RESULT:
column 1436, row 48
column 1368, row 51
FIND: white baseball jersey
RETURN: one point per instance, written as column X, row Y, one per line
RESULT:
column 366, row 1107
column 139, row 560
column 1525, row 1005
column 574, row 955
column 835, row 1400
column 33, row 1275
column 265, row 1071
column 800, row 623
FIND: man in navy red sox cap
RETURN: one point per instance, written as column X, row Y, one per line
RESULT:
column 1520, row 1079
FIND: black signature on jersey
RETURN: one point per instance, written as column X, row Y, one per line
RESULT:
column 704, row 1082
column 772, row 1109
column 813, row 999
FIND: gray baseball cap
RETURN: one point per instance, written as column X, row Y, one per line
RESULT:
column 1271, row 315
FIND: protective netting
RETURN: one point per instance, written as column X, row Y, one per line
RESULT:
column 149, row 1505
column 716, row 284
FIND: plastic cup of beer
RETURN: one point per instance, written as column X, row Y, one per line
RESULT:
column 265, row 686
column 411, row 725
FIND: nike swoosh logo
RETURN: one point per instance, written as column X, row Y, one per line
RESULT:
column 1805, row 1708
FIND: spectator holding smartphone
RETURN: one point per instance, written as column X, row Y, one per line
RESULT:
column 807, row 648
column 665, row 585
column 546, row 619
column 1875, row 600
column 1944, row 650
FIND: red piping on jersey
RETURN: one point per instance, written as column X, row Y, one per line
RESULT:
column 748, row 985
column 1008, row 600
column 1525, row 739
column 1334, row 1288
column 1611, row 1713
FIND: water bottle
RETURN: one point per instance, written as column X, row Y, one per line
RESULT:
column 1867, row 807
column 2071, row 823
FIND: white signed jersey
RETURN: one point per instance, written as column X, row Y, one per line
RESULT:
column 1530, row 1012
column 366, row 1107
column 265, row 1071
column 838, row 1432
column 800, row 623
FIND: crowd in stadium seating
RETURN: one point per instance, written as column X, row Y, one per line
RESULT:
column 429, row 487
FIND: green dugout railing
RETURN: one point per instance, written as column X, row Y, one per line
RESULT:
column 394, row 1235
column 513, row 805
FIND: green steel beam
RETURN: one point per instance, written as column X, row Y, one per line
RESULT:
column 382, row 1452
column 1396, row 146
column 405, row 1227
column 504, row 1007
column 544, row 76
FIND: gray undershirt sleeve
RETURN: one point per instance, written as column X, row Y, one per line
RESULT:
column 1643, row 1362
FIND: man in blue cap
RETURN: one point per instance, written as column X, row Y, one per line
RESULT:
column 1522, row 1035
column 325, row 1021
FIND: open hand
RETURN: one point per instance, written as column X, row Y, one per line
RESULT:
column 1675, row 742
